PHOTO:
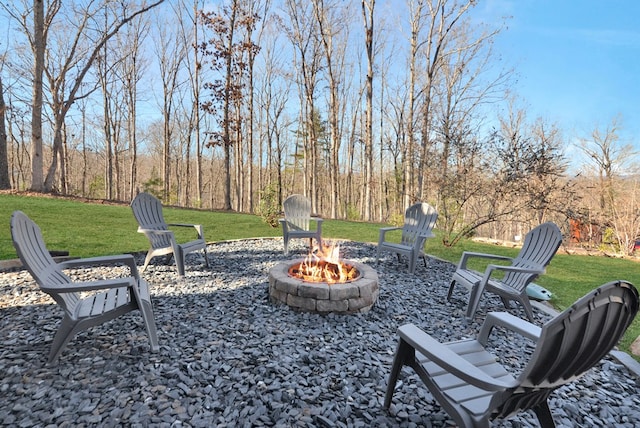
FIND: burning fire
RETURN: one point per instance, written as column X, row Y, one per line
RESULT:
column 324, row 265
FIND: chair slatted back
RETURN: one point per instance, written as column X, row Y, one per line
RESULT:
column 147, row 209
column 573, row 342
column 539, row 247
column 418, row 219
column 297, row 211
column 32, row 251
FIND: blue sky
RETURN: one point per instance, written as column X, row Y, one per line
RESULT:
column 577, row 61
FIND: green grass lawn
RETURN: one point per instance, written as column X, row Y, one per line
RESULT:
column 92, row 229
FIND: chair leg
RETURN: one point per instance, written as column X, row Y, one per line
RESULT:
column 474, row 300
column 66, row 330
column 544, row 415
column 142, row 298
column 146, row 261
column 450, row 292
column 412, row 263
column 206, row 258
column 528, row 309
column 149, row 322
column 179, row 256
column 403, row 351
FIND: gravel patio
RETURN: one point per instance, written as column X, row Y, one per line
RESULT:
column 229, row 357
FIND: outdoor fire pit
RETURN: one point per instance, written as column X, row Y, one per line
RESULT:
column 323, row 285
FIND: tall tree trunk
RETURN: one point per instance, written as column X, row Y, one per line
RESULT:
column 250, row 178
column 408, row 154
column 39, row 45
column 85, row 165
column 368, row 133
column 166, row 147
column 108, row 138
column 64, row 162
column 226, row 137
column 196, row 105
column 4, row 160
column 131, row 132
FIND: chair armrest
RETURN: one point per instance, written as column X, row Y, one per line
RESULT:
column 510, row 322
column 102, row 284
column 285, row 224
column 419, row 243
column 450, row 361
column 493, row 268
column 198, row 227
column 383, row 232
column 126, row 259
column 469, row 254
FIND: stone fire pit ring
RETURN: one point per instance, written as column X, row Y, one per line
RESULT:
column 358, row 295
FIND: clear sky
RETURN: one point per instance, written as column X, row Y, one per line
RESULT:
column 577, row 61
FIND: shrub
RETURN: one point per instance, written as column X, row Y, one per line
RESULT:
column 268, row 207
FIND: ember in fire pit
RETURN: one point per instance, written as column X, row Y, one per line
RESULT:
column 324, row 271
column 324, row 284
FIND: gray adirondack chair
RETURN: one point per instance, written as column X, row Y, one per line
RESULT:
column 147, row 210
column 86, row 303
column 539, row 247
column 474, row 388
column 419, row 221
column 297, row 221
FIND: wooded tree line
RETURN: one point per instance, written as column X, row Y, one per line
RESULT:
column 365, row 107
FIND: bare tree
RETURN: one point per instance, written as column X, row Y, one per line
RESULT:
column 396, row 136
column 273, row 95
column 332, row 24
column 73, row 60
column 256, row 9
column 609, row 156
column 131, row 68
column 171, row 53
column 625, row 216
column 368, row 7
column 609, row 160
column 302, row 33
column 4, row 160
column 109, row 111
column 417, row 19
column 38, row 41
column 227, row 52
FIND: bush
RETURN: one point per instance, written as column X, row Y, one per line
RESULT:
column 397, row 220
column 353, row 214
column 268, row 207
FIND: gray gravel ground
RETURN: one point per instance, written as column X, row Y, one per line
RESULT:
column 228, row 357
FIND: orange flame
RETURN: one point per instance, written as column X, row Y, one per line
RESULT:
column 324, row 265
